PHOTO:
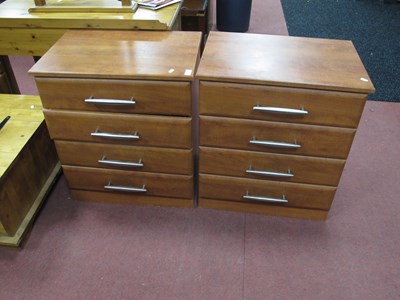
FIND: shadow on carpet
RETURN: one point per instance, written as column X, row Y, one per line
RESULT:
column 373, row 26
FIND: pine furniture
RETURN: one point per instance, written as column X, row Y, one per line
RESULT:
column 28, row 165
column 25, row 33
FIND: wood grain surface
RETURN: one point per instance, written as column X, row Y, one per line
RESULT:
column 26, row 116
column 159, row 131
column 25, row 177
column 321, row 141
column 284, row 61
column 164, row 185
column 297, row 195
column 304, row 169
column 323, row 107
column 95, row 196
column 122, row 54
column 292, row 212
column 151, row 97
column 25, row 33
column 159, row 160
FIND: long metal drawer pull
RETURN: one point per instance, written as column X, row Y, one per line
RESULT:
column 266, row 199
column 270, row 173
column 97, row 133
column 110, row 101
column 281, row 110
column 122, row 188
column 275, row 144
column 106, row 161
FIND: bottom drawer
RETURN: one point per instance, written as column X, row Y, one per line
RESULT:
column 129, row 182
column 264, row 192
column 128, row 199
column 264, row 209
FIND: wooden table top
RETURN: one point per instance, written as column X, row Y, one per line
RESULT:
column 284, row 61
column 164, row 55
column 26, row 116
column 32, row 34
column 14, row 14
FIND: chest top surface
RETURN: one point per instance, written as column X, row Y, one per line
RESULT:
column 284, row 61
column 163, row 55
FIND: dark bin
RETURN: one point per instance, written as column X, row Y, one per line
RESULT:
column 233, row 15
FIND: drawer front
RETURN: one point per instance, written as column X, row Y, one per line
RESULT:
column 275, row 210
column 268, row 166
column 281, row 104
column 128, row 182
column 265, row 192
column 278, row 137
column 84, row 195
column 120, row 128
column 150, row 97
column 123, row 157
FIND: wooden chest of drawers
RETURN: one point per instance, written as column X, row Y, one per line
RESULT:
column 119, row 108
column 277, row 119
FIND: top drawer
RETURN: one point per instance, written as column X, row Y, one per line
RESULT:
column 280, row 104
column 148, row 97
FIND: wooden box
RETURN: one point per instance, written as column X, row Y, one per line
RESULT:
column 28, row 165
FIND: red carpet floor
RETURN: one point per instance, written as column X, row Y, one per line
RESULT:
column 80, row 250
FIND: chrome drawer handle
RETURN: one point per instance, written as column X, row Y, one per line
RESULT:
column 266, row 199
column 110, row 101
column 281, row 110
column 122, row 188
column 134, row 136
column 270, row 173
column 120, row 163
column 275, row 144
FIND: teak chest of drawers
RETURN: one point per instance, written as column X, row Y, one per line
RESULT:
column 277, row 119
column 118, row 105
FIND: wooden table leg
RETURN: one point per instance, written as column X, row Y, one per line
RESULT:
column 8, row 83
